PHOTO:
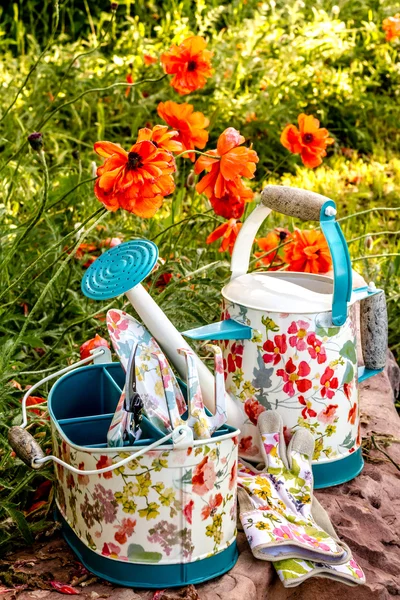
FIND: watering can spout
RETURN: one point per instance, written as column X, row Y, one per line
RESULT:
column 223, row 330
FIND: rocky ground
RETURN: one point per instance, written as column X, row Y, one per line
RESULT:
column 365, row 512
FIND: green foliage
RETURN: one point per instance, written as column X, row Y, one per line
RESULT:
column 62, row 72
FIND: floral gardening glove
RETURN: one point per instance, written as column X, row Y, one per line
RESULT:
column 293, row 571
column 276, row 503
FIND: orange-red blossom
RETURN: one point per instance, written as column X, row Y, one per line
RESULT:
column 228, row 232
column 190, row 125
column 391, row 27
column 225, row 167
column 136, row 181
column 190, row 63
column 309, row 140
column 308, row 252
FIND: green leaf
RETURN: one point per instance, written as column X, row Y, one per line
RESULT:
column 20, row 522
column 137, row 552
column 348, row 374
column 327, row 332
column 295, row 467
column 348, row 441
column 292, row 567
column 349, row 351
column 317, row 533
column 33, row 341
column 269, row 324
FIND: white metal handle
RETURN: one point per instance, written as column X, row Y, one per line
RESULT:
column 182, row 438
column 94, row 354
column 244, row 241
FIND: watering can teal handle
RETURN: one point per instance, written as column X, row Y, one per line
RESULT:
column 305, row 205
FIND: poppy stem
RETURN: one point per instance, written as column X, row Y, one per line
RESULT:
column 196, row 152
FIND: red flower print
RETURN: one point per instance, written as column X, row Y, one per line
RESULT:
column 328, row 414
column 307, row 410
column 253, row 409
column 329, row 383
column 287, row 434
column 292, row 376
column 316, row 349
column 246, row 446
column 203, row 477
column 232, row 477
column 212, row 506
column 124, row 530
column 188, row 511
column 352, row 414
column 115, row 323
column 104, row 461
column 347, row 388
column 276, row 348
column 111, row 549
column 299, row 329
column 235, row 357
column 82, row 479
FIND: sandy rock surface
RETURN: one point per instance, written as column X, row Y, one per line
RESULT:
column 365, row 512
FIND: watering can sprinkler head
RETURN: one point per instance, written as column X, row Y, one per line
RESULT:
column 119, row 269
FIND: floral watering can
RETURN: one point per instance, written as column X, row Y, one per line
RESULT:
column 289, row 341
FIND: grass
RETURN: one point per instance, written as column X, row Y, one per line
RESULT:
column 62, row 72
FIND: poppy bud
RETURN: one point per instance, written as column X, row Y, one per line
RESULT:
column 76, row 154
column 114, row 5
column 35, row 139
column 368, row 242
column 190, row 180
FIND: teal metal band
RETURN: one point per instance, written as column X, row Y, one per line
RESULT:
column 338, row 471
column 149, row 575
column 341, row 263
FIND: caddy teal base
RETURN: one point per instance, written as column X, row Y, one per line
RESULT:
column 149, row 575
column 338, row 471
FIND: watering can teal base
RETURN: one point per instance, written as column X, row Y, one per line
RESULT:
column 338, row 471
column 143, row 575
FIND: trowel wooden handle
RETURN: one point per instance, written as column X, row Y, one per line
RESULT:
column 293, row 202
column 25, row 446
column 374, row 330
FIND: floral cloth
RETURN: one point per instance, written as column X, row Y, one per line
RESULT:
column 275, row 507
column 302, row 366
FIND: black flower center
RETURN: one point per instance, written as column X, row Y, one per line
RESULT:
column 192, row 65
column 308, row 138
column 134, row 161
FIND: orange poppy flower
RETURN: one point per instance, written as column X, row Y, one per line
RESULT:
column 189, row 125
column 269, row 244
column 308, row 252
column 391, row 26
column 189, row 63
column 149, row 60
column 161, row 138
column 136, row 181
column 231, row 204
column 228, row 163
column 229, row 232
column 310, row 141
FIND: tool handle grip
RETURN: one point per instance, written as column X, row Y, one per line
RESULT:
column 294, row 202
column 25, row 446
